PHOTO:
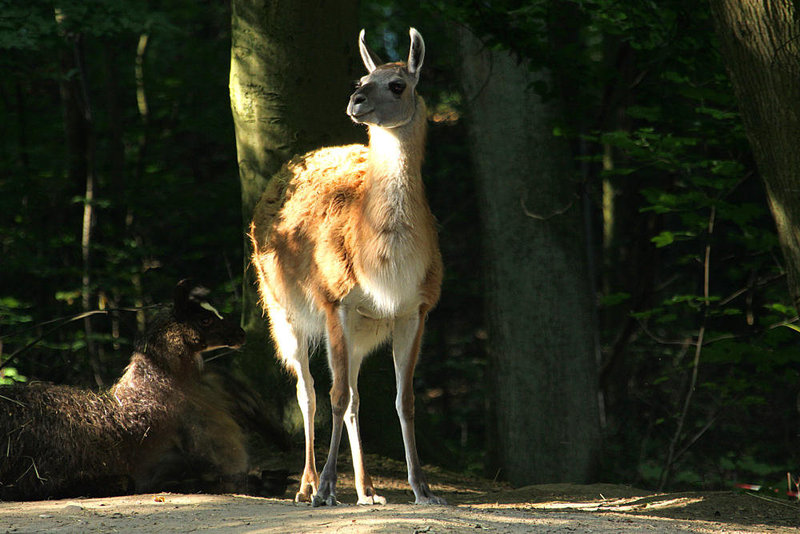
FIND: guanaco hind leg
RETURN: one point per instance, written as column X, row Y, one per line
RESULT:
column 338, row 360
column 293, row 350
column 306, row 399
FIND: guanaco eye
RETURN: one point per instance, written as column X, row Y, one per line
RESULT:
column 397, row 87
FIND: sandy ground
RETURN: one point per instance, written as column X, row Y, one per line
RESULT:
column 476, row 506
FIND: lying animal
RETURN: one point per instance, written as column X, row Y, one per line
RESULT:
column 160, row 419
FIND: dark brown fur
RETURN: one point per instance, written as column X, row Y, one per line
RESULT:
column 162, row 423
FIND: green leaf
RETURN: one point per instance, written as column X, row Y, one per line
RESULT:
column 10, row 376
column 718, row 114
column 650, row 113
column 788, row 311
column 613, row 299
column 68, row 296
column 663, row 239
column 727, row 168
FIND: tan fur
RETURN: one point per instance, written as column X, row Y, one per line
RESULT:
column 345, row 248
column 327, row 221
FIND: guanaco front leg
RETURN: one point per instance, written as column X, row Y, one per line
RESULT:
column 363, row 482
column 358, row 349
column 340, row 399
column 345, row 357
column 405, row 346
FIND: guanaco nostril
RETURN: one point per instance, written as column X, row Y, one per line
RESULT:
column 359, row 99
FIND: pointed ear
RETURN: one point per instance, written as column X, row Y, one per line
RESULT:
column 370, row 58
column 188, row 295
column 416, row 54
column 181, row 297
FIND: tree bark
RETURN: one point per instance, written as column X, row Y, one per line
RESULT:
column 292, row 67
column 760, row 44
column 537, row 291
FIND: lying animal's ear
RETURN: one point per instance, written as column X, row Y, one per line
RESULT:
column 181, row 297
column 190, row 296
column 188, row 293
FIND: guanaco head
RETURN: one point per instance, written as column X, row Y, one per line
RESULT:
column 386, row 96
column 194, row 327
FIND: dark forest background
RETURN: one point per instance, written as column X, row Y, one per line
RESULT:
column 119, row 176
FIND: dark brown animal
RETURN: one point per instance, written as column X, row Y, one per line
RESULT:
column 161, row 421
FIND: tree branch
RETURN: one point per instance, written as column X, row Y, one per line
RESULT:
column 671, row 456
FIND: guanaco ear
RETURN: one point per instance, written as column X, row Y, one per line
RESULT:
column 370, row 58
column 416, row 54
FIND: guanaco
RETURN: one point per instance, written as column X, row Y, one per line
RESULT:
column 346, row 250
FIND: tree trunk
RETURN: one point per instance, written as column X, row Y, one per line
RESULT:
column 760, row 45
column 292, row 67
column 538, row 298
column 78, row 127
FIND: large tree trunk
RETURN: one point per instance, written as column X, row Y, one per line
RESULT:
column 292, row 66
column 760, row 43
column 538, row 298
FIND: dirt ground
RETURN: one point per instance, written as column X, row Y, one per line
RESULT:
column 475, row 506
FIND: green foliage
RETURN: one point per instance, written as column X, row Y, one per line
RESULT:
column 166, row 198
column 683, row 150
column 24, row 26
column 10, row 376
column 659, row 146
column 14, row 312
column 32, row 25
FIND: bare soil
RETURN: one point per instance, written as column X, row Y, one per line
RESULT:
column 476, row 505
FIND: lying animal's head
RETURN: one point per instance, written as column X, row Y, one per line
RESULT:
column 204, row 327
column 193, row 327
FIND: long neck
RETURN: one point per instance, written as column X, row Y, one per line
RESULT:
column 145, row 400
column 394, row 180
column 142, row 379
column 398, row 152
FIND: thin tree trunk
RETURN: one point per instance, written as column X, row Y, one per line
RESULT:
column 538, row 299
column 86, row 256
column 141, row 160
column 760, row 44
column 80, row 142
column 113, row 64
column 292, row 67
